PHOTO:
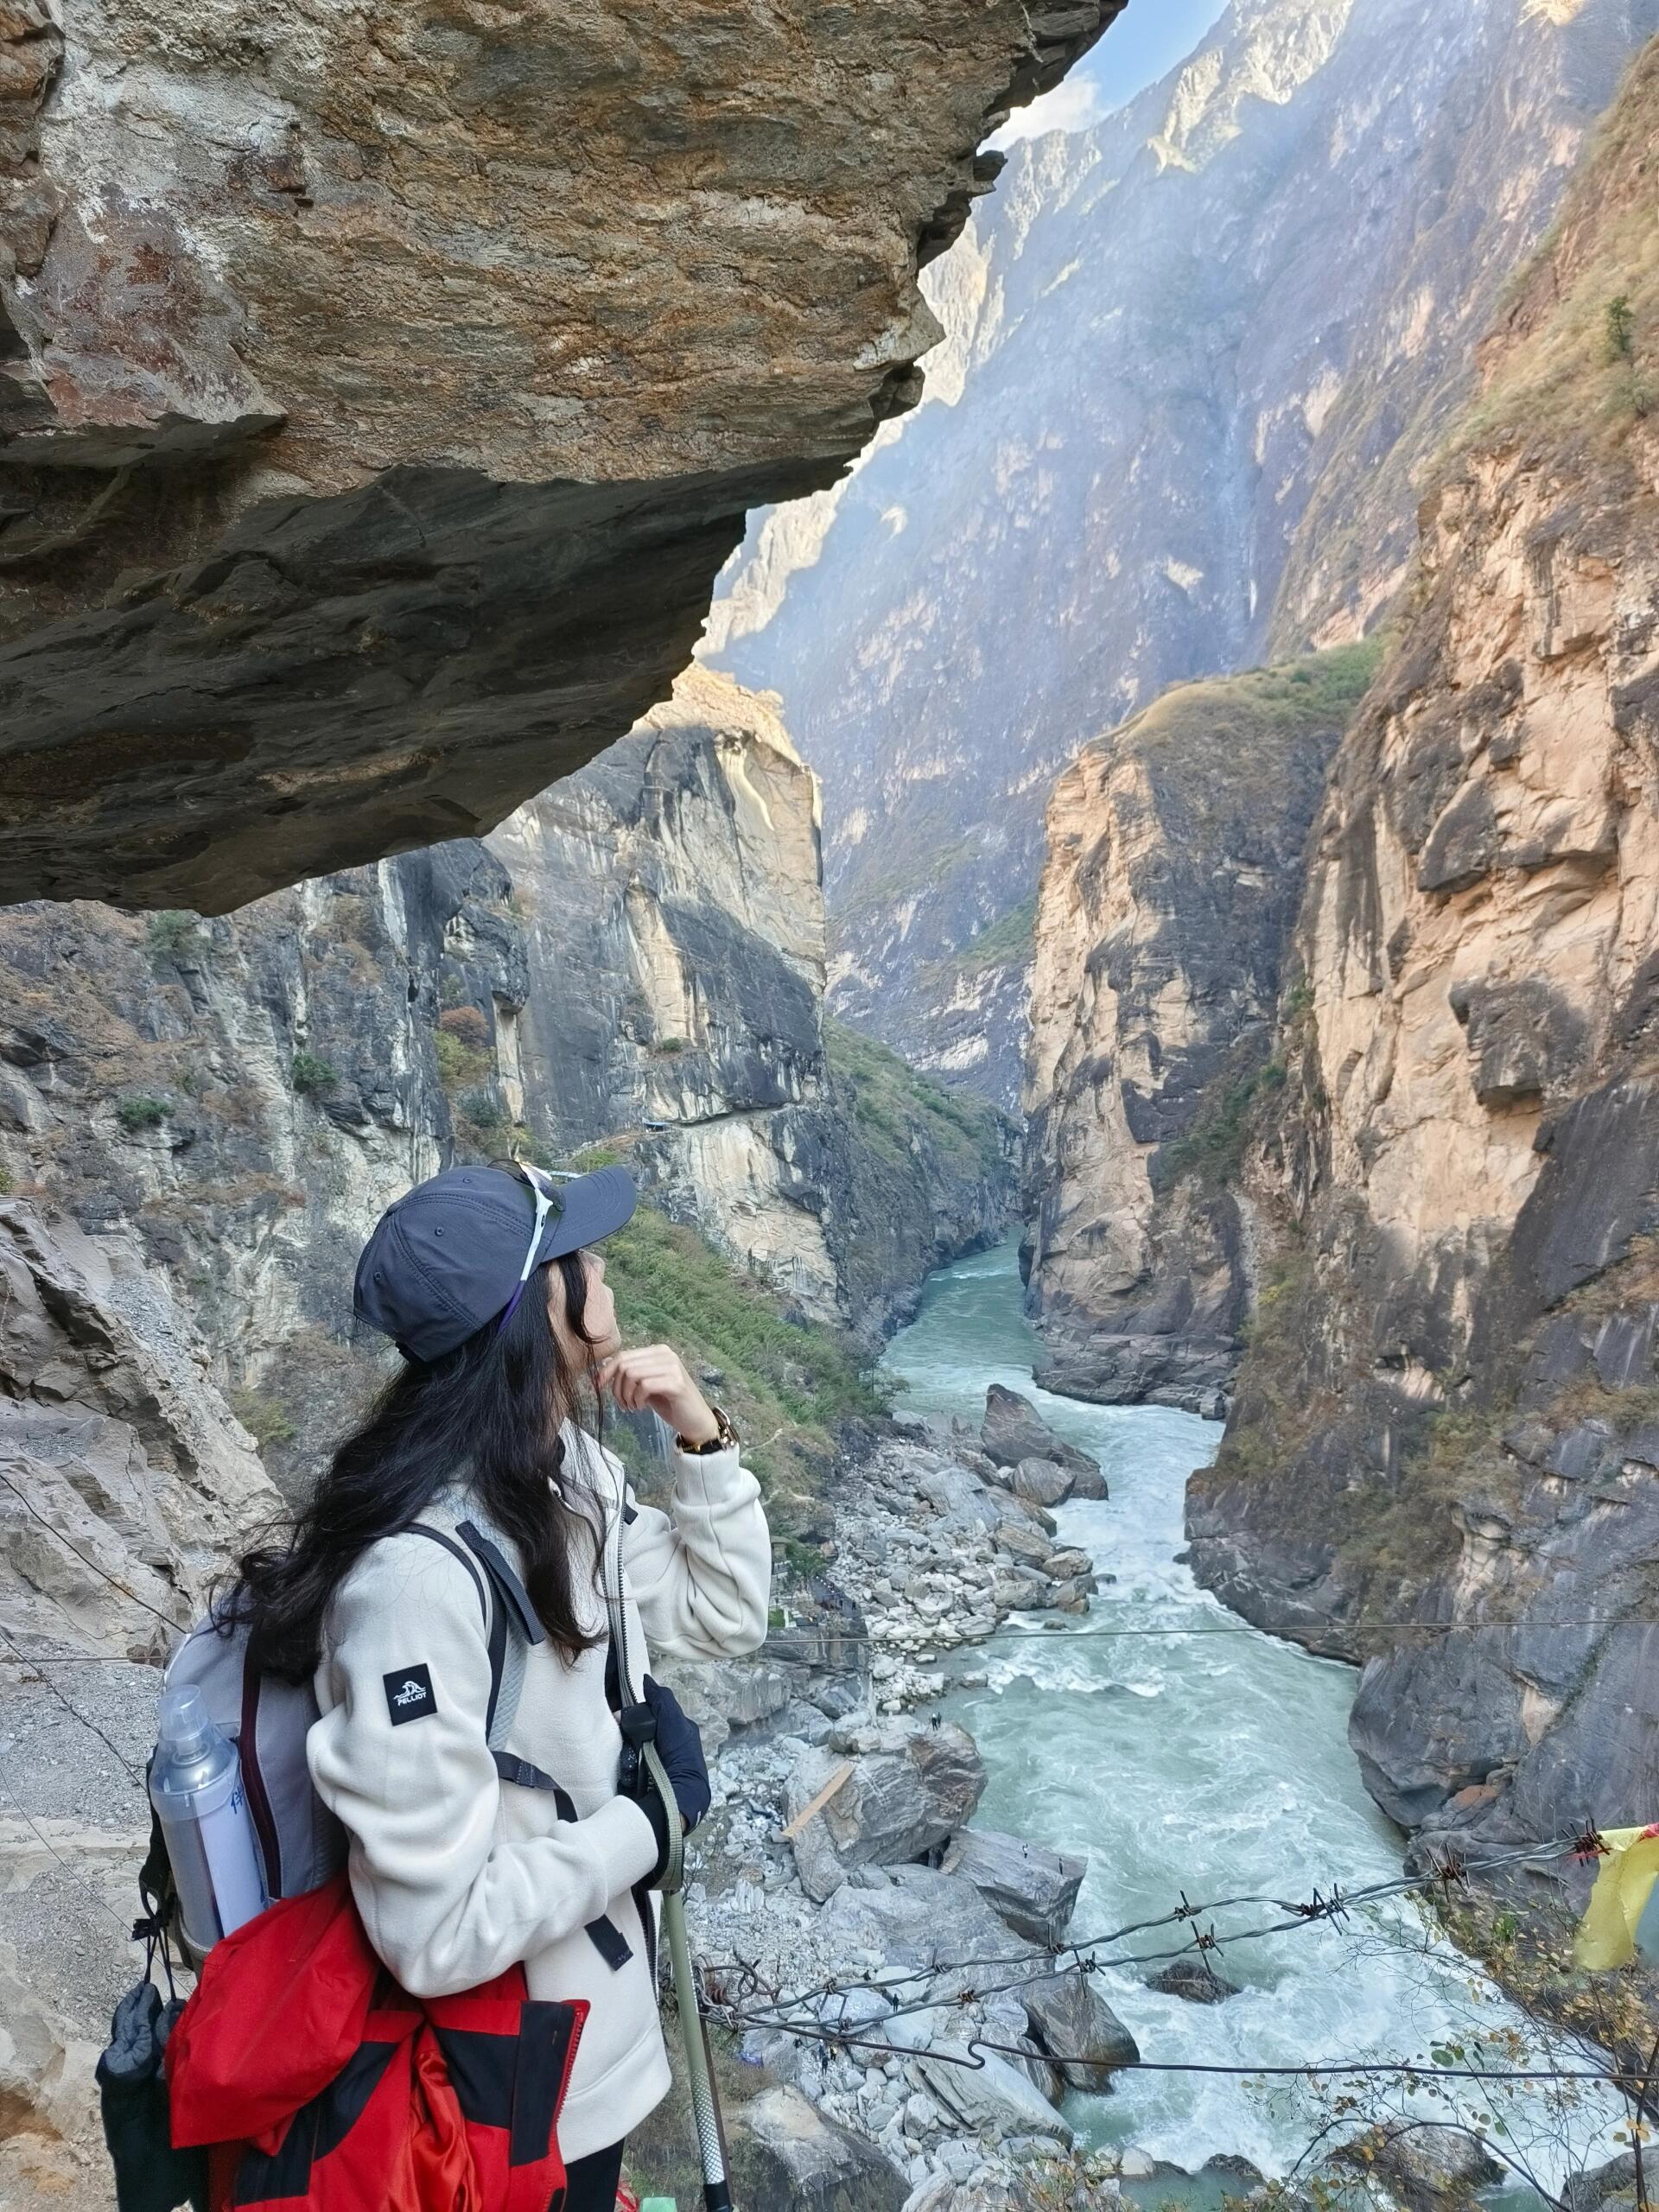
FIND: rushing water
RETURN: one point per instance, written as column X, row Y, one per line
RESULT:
column 1208, row 1764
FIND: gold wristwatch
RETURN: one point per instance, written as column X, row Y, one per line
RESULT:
column 724, row 1437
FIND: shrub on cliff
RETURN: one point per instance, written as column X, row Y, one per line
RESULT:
column 787, row 1384
column 140, row 1112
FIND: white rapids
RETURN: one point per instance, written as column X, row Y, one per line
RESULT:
column 1207, row 1765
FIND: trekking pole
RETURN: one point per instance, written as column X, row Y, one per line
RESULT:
column 699, row 2074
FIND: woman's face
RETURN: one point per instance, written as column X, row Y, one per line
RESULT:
column 598, row 1314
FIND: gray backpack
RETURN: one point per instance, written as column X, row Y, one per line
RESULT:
column 301, row 1844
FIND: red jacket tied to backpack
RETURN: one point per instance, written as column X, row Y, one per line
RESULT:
column 324, row 2085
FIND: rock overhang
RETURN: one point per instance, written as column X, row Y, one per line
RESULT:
column 378, row 399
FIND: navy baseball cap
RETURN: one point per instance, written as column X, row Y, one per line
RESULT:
column 455, row 1251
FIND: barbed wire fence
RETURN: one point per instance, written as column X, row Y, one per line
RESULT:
column 738, row 1997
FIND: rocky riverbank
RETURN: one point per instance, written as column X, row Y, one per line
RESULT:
column 840, row 1849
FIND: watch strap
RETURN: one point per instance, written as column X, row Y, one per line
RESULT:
column 724, row 1437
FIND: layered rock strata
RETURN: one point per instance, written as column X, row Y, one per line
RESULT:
column 380, row 398
column 1175, row 848
column 125, row 1480
column 639, row 957
column 1446, row 1415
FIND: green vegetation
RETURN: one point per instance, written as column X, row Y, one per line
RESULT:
column 1006, row 943
column 1229, row 1114
column 483, row 1110
column 460, row 1064
column 309, row 1074
column 264, row 1418
column 786, row 1383
column 1586, row 364
column 140, row 1112
column 895, row 1109
column 170, row 932
column 7, row 1186
column 670, row 1045
column 1236, row 717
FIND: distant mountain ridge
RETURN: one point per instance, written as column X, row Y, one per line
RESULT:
column 1193, row 358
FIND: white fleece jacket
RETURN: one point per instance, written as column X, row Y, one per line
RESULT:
column 459, row 1875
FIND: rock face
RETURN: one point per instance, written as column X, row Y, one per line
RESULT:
column 644, row 946
column 1447, row 1413
column 277, row 605
column 1176, row 433
column 671, row 896
column 123, row 1480
column 1173, row 869
column 246, row 1095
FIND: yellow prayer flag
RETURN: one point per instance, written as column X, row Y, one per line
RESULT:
column 1606, row 1935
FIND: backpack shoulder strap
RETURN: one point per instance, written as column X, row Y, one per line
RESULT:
column 455, row 1551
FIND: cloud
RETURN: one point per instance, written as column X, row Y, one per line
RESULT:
column 1075, row 105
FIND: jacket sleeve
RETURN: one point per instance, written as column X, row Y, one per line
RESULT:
column 401, row 1757
column 701, row 1574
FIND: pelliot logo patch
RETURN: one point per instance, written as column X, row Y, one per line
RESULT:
column 409, row 1694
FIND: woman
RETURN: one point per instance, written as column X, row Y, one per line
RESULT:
column 488, row 1283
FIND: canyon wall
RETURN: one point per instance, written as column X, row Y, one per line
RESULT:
column 379, row 397
column 1446, row 1415
column 1197, row 356
column 1174, row 861
column 638, row 958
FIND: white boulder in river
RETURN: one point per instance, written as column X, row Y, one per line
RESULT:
column 908, row 1791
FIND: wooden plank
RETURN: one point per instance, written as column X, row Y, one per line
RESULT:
column 841, row 1774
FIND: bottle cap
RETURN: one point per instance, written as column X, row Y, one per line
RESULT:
column 183, row 1724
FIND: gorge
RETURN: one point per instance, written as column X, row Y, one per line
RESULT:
column 1324, row 988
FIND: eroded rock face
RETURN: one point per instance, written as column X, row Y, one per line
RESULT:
column 637, row 955
column 380, row 398
column 1174, row 867
column 1446, row 1411
column 1180, row 432
column 124, row 1482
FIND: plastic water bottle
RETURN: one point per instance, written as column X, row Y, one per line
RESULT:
column 195, row 1785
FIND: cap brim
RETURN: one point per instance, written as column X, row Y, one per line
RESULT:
column 590, row 1207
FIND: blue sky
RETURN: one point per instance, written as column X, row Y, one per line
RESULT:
column 1150, row 37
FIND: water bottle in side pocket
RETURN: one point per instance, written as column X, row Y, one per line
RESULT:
column 196, row 1786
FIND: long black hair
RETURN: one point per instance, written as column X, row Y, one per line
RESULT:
column 488, row 1414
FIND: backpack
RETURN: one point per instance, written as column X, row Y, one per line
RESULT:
column 301, row 1844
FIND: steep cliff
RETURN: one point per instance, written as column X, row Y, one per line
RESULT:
column 246, row 1094
column 1447, row 1413
column 123, row 1480
column 674, row 909
column 1174, row 870
column 380, row 395
column 640, row 956
column 1196, row 355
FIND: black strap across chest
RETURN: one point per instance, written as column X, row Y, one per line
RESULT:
column 511, row 1612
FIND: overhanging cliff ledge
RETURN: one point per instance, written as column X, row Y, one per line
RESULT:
column 379, row 397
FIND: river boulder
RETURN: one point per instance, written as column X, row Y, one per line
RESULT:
column 1014, row 1430
column 1194, row 1978
column 1033, row 1889
column 907, row 1791
column 917, row 1917
column 1044, row 1480
column 1427, row 2166
column 1074, row 2025
column 806, row 2161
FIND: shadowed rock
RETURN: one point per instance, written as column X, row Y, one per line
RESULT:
column 379, row 397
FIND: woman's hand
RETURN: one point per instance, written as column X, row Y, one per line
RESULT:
column 654, row 1379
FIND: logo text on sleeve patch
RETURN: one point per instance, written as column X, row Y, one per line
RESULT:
column 409, row 1694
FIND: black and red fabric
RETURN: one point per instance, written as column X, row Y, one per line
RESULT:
column 322, row 2087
